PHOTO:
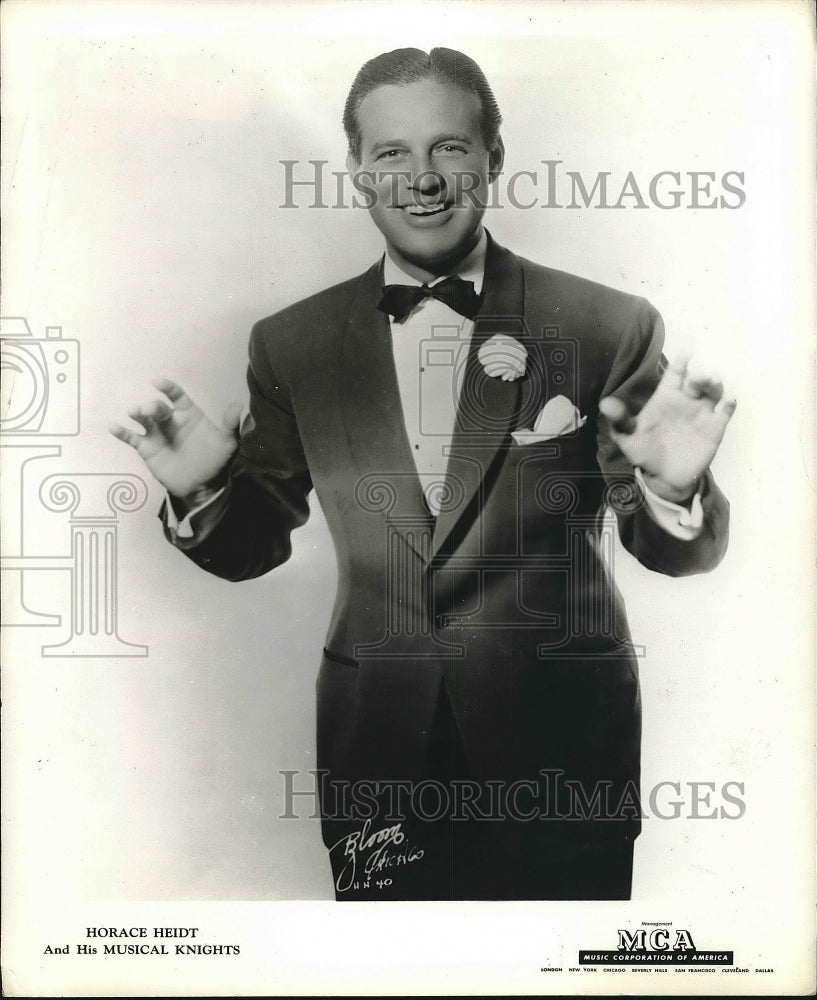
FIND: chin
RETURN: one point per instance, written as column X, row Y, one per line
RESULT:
column 437, row 250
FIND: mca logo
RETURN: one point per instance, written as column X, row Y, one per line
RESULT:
column 655, row 944
column 658, row 939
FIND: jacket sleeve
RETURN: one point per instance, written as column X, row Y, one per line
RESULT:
column 635, row 372
column 269, row 482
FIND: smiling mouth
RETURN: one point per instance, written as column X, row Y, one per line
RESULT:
column 425, row 210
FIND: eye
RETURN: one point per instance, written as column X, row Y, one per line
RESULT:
column 388, row 154
column 450, row 147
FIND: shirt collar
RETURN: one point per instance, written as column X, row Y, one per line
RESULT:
column 471, row 268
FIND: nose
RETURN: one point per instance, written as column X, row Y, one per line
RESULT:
column 425, row 181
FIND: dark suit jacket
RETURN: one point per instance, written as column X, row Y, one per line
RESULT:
column 505, row 597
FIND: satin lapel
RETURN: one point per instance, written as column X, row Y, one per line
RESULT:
column 387, row 480
column 487, row 405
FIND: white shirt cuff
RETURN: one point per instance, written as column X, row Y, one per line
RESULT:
column 184, row 528
column 680, row 522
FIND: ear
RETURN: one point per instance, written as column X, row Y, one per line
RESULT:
column 496, row 158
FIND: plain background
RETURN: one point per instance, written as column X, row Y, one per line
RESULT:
column 141, row 197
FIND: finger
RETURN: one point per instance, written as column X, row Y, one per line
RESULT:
column 699, row 385
column 159, row 411
column 232, row 418
column 141, row 417
column 618, row 413
column 725, row 408
column 174, row 392
column 676, row 370
column 128, row 436
column 156, row 412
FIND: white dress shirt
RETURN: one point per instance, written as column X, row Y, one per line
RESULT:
column 430, row 349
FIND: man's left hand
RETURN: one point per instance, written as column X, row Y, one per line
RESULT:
column 674, row 437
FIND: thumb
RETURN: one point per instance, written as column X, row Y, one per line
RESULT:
column 232, row 418
column 617, row 412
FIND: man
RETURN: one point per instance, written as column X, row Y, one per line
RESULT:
column 465, row 417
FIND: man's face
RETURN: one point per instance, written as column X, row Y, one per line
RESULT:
column 423, row 156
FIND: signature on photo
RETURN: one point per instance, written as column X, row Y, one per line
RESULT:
column 371, row 852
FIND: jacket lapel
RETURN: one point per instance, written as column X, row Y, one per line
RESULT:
column 387, row 479
column 487, row 405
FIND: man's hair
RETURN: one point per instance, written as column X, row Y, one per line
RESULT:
column 403, row 66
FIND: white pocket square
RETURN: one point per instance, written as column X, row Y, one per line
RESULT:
column 558, row 417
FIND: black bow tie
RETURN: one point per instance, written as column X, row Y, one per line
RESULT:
column 457, row 294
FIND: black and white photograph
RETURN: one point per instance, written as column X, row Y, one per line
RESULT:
column 408, row 498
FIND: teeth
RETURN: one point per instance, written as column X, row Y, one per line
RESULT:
column 420, row 210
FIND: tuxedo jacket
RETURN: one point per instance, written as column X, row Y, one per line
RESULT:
column 506, row 597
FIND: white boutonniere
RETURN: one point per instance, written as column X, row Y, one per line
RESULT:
column 503, row 357
column 558, row 417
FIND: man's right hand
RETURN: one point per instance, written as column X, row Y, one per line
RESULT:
column 187, row 453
